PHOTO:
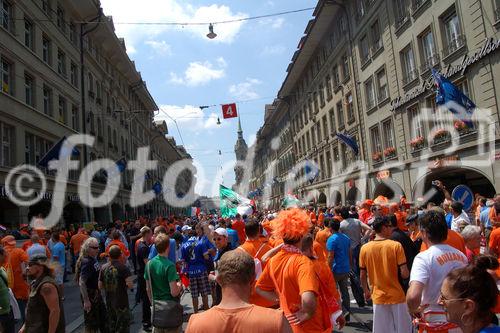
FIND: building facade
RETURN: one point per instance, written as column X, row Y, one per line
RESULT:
column 363, row 68
column 44, row 93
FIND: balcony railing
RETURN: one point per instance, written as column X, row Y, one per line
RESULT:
column 454, row 45
column 400, row 21
column 429, row 63
column 410, row 76
column 377, row 46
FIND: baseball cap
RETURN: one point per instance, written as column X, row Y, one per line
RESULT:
column 221, row 232
column 38, row 258
column 185, row 228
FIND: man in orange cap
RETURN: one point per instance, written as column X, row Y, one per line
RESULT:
column 15, row 261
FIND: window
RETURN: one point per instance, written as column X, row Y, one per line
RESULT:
column 28, row 34
column 61, row 24
column 308, row 139
column 360, row 8
column 61, row 63
column 336, row 157
column 315, row 101
column 453, row 35
column 388, row 134
column 313, row 137
column 46, row 50
column 364, row 51
column 382, row 88
column 322, row 95
column 376, row 144
column 318, row 132
column 408, row 63
column 332, row 121
column 328, row 87
column 7, row 84
column 74, row 74
column 115, row 143
column 370, row 94
column 336, row 76
column 328, row 164
column 345, row 67
column 322, row 172
column 62, row 110
column 46, row 7
column 7, row 144
column 72, row 33
column 325, row 126
column 376, row 36
column 340, row 115
column 98, row 90
column 350, row 108
column 99, row 128
column 29, row 90
column 429, row 56
column 6, row 15
column 415, row 122
column 91, row 86
column 110, row 143
column 74, row 118
column 401, row 7
column 47, row 101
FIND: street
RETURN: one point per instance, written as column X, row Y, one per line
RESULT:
column 360, row 318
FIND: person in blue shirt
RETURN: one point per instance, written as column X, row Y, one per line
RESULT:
column 339, row 260
column 171, row 251
column 58, row 253
column 232, row 234
column 196, row 252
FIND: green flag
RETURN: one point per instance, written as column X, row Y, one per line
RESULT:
column 231, row 203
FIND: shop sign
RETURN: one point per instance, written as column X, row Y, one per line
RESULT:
column 490, row 45
column 443, row 162
column 383, row 174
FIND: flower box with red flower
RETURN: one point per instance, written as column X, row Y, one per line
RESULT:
column 377, row 156
column 440, row 135
column 460, row 126
column 417, row 143
column 390, row 152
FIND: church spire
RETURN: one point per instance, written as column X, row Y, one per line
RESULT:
column 240, row 131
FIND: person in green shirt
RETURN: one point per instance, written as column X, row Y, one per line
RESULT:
column 162, row 281
column 6, row 316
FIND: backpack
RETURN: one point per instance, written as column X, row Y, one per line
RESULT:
column 258, row 263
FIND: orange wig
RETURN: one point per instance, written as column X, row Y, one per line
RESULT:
column 291, row 224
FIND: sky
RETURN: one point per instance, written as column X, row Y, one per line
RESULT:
column 183, row 69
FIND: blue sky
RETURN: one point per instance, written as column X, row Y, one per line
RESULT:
column 183, row 69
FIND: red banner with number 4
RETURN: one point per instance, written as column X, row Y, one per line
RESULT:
column 229, row 111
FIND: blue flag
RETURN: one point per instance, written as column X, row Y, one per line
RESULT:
column 57, row 152
column 349, row 141
column 157, row 188
column 448, row 92
column 121, row 164
column 311, row 171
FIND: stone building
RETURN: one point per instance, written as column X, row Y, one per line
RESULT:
column 42, row 99
column 363, row 68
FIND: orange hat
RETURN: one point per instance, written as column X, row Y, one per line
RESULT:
column 291, row 224
column 9, row 240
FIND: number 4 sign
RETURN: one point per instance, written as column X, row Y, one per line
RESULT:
column 229, row 111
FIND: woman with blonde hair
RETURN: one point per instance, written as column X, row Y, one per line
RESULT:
column 87, row 277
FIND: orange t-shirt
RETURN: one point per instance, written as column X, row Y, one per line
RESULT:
column 325, row 274
column 252, row 247
column 454, row 240
column 16, row 256
column 496, row 309
column 76, row 242
column 294, row 274
column 267, row 226
column 312, row 215
column 239, row 226
column 381, row 259
column 240, row 320
column 494, row 243
column 320, row 252
column 321, row 219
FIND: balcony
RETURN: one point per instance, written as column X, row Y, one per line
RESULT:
column 417, row 6
column 411, row 76
column 429, row 63
column 455, row 44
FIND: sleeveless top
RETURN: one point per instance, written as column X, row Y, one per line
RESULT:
column 37, row 318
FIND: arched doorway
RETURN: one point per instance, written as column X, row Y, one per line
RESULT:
column 389, row 189
column 101, row 215
column 9, row 214
column 116, row 212
column 73, row 214
column 452, row 177
column 335, row 198
column 41, row 207
column 353, row 195
column 322, row 199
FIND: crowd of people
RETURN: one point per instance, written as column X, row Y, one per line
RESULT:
column 431, row 268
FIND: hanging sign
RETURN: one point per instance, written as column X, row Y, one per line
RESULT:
column 229, row 111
